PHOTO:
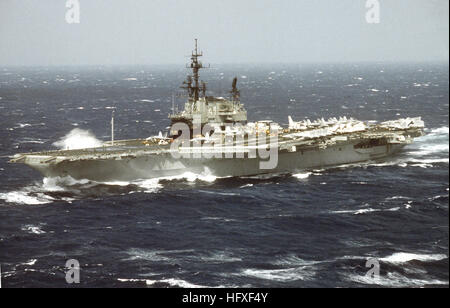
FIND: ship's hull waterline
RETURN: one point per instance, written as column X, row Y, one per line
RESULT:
column 157, row 166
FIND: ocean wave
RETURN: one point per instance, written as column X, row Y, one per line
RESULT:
column 219, row 193
column 281, row 275
column 395, row 280
column 219, row 257
column 293, row 268
column 173, row 282
column 32, row 229
column 402, row 257
column 397, row 197
column 417, row 276
column 434, row 144
column 155, row 255
column 30, row 262
column 293, row 260
column 302, row 176
column 444, row 130
column 155, row 184
column 365, row 211
column 43, row 192
column 145, row 254
column 26, row 196
column 218, row 218
column 246, row 185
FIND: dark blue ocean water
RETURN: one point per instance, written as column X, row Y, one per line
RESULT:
column 310, row 228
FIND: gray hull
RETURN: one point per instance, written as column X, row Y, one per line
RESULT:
column 163, row 165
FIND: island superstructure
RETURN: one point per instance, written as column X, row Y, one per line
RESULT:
column 220, row 141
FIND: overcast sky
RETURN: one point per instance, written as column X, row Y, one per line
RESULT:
column 35, row 32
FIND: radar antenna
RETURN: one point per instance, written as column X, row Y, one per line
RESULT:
column 235, row 93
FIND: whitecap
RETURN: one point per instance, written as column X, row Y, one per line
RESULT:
column 175, row 283
column 22, row 125
column 60, row 183
column 30, row 262
column 171, row 282
column 149, row 186
column 218, row 193
column 155, row 255
column 33, row 141
column 293, row 260
column 428, row 149
column 33, row 229
column 430, row 161
column 402, row 257
column 218, row 218
column 282, row 275
column 36, row 193
column 395, row 280
column 246, row 185
column 219, row 257
column 396, row 197
column 25, row 197
column 365, row 211
column 145, row 254
column 302, row 176
column 205, row 176
column 440, row 130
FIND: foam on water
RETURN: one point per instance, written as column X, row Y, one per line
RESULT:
column 410, row 276
column 33, row 229
column 219, row 257
column 38, row 192
column 30, row 262
column 302, row 176
column 147, row 255
column 281, row 275
column 293, row 260
column 173, row 282
column 365, row 211
column 25, row 196
column 402, row 257
column 395, row 280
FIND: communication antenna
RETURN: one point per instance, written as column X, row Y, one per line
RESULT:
column 173, row 104
column 112, row 127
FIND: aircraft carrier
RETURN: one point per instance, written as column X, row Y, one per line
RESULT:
column 212, row 136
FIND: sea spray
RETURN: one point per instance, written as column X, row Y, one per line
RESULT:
column 78, row 139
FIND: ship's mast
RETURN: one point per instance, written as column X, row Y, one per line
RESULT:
column 196, row 66
column 112, row 128
column 192, row 84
